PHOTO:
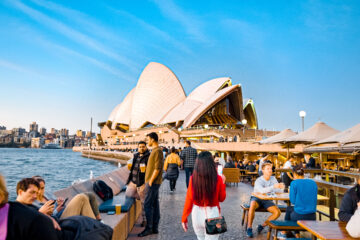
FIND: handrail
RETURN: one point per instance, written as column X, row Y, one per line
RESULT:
column 324, row 171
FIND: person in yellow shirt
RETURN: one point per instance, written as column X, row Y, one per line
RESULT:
column 171, row 167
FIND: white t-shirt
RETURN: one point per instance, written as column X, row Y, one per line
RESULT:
column 287, row 165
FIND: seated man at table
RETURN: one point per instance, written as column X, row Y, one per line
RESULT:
column 264, row 184
column 349, row 203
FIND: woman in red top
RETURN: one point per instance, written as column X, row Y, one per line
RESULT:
column 206, row 190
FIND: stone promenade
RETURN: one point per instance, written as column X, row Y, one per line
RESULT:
column 171, row 207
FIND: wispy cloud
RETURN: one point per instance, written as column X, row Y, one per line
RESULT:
column 154, row 30
column 102, row 65
column 73, row 34
column 88, row 23
column 191, row 23
column 27, row 71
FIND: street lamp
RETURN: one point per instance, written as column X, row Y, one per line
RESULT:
column 302, row 115
column 206, row 126
column 244, row 122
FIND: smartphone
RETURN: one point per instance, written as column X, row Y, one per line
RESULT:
column 65, row 201
column 111, row 212
column 53, row 202
column 220, row 169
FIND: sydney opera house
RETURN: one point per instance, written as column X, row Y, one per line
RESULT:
column 158, row 101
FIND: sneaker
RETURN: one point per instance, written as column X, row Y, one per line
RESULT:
column 260, row 228
column 249, row 233
column 280, row 236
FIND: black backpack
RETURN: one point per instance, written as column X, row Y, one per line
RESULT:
column 102, row 190
column 84, row 228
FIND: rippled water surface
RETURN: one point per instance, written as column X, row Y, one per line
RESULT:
column 59, row 167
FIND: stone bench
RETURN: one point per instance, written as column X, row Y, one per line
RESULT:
column 116, row 180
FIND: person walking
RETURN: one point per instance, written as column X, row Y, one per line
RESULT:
column 136, row 181
column 171, row 167
column 188, row 156
column 206, row 190
column 153, row 180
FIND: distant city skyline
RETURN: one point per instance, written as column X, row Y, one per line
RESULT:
column 62, row 63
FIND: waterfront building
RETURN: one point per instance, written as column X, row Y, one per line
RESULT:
column 64, row 132
column 33, row 127
column 18, row 132
column 36, row 142
column 54, row 131
column 42, row 131
column 2, row 128
column 80, row 133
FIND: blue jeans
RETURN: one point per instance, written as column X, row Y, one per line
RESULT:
column 188, row 172
column 151, row 206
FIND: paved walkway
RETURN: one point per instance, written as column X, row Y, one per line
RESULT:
column 171, row 207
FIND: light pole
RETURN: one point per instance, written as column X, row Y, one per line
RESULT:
column 244, row 122
column 302, row 115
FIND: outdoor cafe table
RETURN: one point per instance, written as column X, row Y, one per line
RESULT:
column 326, row 230
column 282, row 197
column 253, row 176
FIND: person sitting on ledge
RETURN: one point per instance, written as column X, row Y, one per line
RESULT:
column 264, row 184
column 19, row 222
column 349, row 203
column 83, row 204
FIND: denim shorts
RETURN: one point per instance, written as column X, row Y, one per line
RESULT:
column 262, row 203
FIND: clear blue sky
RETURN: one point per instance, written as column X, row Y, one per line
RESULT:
column 62, row 62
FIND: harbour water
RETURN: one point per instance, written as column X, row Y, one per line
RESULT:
column 59, row 167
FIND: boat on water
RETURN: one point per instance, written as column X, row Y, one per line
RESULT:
column 51, row 146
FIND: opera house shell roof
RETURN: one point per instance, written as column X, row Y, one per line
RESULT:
column 159, row 98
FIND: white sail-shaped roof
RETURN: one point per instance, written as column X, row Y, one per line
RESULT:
column 123, row 110
column 157, row 91
column 215, row 98
column 195, row 99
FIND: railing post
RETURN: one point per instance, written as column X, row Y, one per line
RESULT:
column 332, row 202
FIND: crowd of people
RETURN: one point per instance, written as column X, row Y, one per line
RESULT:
column 36, row 214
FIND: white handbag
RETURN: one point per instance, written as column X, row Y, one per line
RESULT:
column 353, row 225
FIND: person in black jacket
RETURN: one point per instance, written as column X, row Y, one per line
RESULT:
column 349, row 203
column 23, row 222
column 136, row 181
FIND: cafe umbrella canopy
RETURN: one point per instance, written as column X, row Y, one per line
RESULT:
column 280, row 138
column 347, row 141
column 317, row 132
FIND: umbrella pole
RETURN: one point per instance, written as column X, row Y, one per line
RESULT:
column 288, row 152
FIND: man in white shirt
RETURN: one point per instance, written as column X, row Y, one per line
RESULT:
column 264, row 184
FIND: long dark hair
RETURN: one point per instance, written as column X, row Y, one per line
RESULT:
column 204, row 177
